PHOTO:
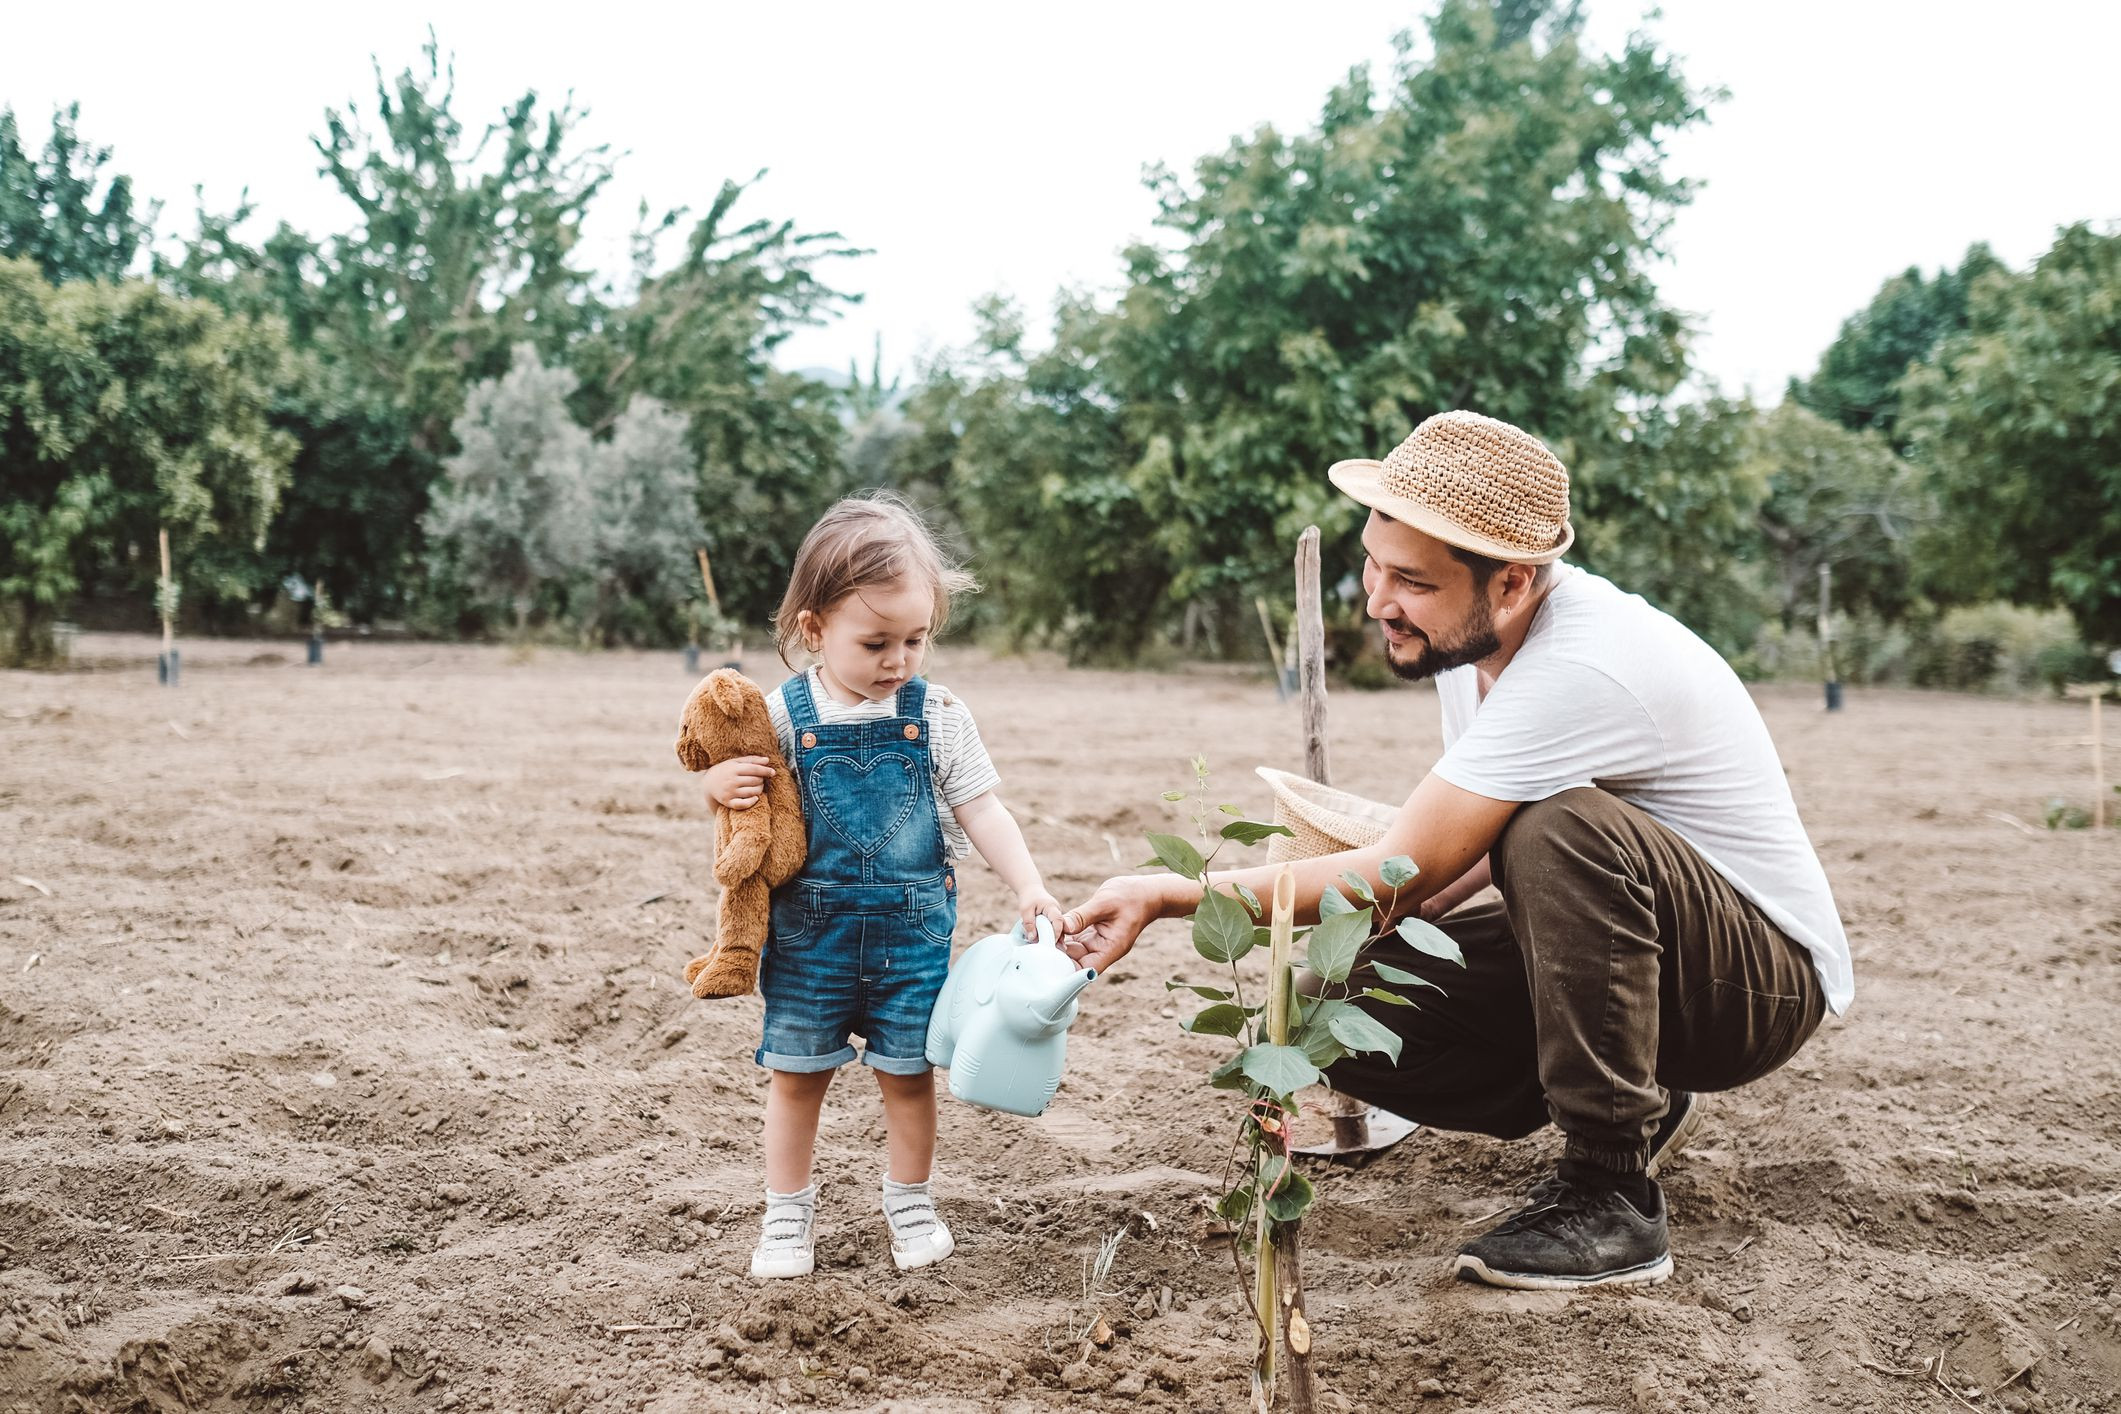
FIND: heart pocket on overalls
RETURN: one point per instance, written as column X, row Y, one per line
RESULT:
column 865, row 809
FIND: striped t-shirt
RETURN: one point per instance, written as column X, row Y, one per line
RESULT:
column 963, row 771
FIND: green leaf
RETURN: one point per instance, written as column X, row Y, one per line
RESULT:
column 1380, row 994
column 1398, row 871
column 1177, row 856
column 1359, row 1031
column 1334, row 943
column 1235, row 1206
column 1213, row 994
column 1430, row 939
column 1253, row 831
column 1222, row 1019
column 1174, row 795
column 1230, row 1075
column 1222, row 930
column 1292, row 1196
column 1322, row 1047
column 1279, row 1070
column 1333, row 902
column 1400, row 975
column 1231, row 809
column 1251, row 899
column 1358, row 885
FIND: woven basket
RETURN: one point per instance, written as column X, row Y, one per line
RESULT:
column 1325, row 820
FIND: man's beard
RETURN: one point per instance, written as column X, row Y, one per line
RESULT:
column 1476, row 640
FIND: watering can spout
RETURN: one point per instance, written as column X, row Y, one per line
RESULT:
column 1057, row 1008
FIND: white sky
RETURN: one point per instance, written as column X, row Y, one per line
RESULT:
column 991, row 147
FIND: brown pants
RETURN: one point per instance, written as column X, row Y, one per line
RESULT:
column 1617, row 965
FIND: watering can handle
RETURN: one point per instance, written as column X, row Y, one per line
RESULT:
column 1045, row 931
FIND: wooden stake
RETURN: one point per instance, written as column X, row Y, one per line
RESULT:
column 1274, row 656
column 1281, row 932
column 2096, row 692
column 1350, row 1116
column 169, row 633
column 707, row 578
column 1311, row 666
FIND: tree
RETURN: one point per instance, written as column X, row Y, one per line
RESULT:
column 1839, row 499
column 511, row 514
column 699, row 337
column 646, row 524
column 51, row 212
column 2017, row 422
column 125, row 410
column 1858, row 380
column 1478, row 232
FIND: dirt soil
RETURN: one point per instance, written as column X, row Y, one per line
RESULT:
column 344, row 1065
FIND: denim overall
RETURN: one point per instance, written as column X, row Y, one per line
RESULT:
column 861, row 937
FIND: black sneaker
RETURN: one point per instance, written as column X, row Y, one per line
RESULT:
column 1575, row 1235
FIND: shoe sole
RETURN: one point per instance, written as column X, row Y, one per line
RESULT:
column 1677, row 1140
column 927, row 1257
column 1649, row 1273
column 776, row 1268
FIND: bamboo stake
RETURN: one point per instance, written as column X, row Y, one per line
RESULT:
column 162, row 597
column 1274, row 654
column 1281, row 934
column 707, row 578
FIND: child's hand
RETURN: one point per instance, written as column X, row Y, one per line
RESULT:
column 1034, row 904
column 737, row 784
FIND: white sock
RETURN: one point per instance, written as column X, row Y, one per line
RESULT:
column 918, row 1234
column 787, row 1243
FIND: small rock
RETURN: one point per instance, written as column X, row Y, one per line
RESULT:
column 323, row 1080
column 290, row 1284
column 754, row 1325
column 674, row 1035
column 859, row 1377
column 454, row 1193
column 1129, row 1385
column 1079, row 1377
column 1430, row 1389
column 375, row 1359
column 352, row 1295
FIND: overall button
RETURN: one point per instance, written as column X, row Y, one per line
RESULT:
column 809, row 740
column 913, row 733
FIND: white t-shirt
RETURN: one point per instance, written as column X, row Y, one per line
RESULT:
column 1610, row 692
column 963, row 771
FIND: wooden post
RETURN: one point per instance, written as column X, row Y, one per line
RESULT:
column 2096, row 692
column 1826, row 638
column 169, row 665
column 707, row 578
column 1311, row 665
column 1274, row 655
column 1267, row 1244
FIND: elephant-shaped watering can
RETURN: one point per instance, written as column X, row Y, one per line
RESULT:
column 1001, row 1023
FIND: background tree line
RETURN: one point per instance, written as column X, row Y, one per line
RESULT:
column 439, row 416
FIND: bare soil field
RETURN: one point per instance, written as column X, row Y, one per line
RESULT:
column 344, row 1064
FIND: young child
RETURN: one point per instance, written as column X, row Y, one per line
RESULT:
column 896, row 786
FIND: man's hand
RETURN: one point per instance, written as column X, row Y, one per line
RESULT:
column 1102, row 930
column 737, row 784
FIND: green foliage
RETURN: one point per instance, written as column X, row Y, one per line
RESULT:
column 1841, row 499
column 2017, row 421
column 1858, row 380
column 511, row 516
column 1476, row 231
column 129, row 411
column 51, row 212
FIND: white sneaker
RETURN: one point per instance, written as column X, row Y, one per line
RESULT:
column 787, row 1241
column 919, row 1237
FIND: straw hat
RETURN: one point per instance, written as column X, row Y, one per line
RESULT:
column 1325, row 820
column 1472, row 482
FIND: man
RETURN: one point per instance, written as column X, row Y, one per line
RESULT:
column 1665, row 927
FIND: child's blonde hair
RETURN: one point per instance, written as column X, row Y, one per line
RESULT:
column 863, row 542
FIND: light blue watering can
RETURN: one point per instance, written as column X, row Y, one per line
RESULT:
column 1001, row 1023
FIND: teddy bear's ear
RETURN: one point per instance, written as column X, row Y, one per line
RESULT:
column 734, row 694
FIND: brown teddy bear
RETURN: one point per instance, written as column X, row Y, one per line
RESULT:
column 756, row 849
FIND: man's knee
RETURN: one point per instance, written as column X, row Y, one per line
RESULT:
column 1571, row 823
